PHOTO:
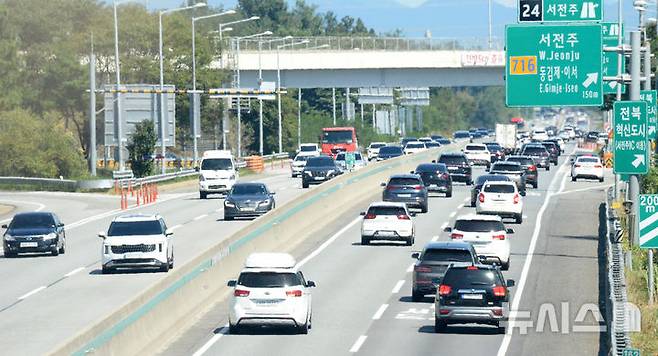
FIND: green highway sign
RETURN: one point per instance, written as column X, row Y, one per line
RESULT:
column 631, row 352
column 611, row 59
column 631, row 145
column 553, row 65
column 652, row 121
column 560, row 10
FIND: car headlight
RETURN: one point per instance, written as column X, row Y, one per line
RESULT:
column 9, row 238
column 229, row 203
column 50, row 236
column 330, row 172
column 264, row 202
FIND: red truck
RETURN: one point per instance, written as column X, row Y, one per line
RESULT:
column 338, row 139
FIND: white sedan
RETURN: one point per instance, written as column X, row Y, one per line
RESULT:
column 587, row 167
column 487, row 234
column 500, row 198
column 387, row 221
column 414, row 147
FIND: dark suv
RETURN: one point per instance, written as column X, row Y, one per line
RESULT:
column 553, row 151
column 538, row 153
column 34, row 232
column 527, row 163
column 318, row 170
column 433, row 262
column 458, row 167
column 472, row 294
column 436, row 177
column 406, row 188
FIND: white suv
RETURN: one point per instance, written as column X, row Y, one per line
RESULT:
column 137, row 241
column 539, row 135
column 487, row 234
column 500, row 198
column 477, row 153
column 270, row 289
column 387, row 221
column 373, row 150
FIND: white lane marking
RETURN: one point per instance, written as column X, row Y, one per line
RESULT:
column 444, row 225
column 359, row 342
column 173, row 228
column 504, row 345
column 411, row 267
column 328, row 242
column 380, row 312
column 39, row 207
column 74, row 272
column 212, row 341
column 435, row 238
column 467, row 200
column 398, row 286
column 598, row 187
column 200, row 217
column 219, row 210
column 34, row 291
column 452, row 215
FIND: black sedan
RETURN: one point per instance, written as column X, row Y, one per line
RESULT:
column 320, row 169
column 436, row 178
column 34, row 232
column 248, row 200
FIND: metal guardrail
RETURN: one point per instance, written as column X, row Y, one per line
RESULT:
column 617, row 323
column 377, row 44
column 65, row 185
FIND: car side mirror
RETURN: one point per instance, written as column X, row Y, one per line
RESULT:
column 169, row 232
column 363, row 213
column 60, row 225
column 272, row 193
column 522, row 193
column 4, row 226
column 232, row 283
column 413, row 215
column 383, row 184
column 482, row 259
column 310, row 284
column 102, row 235
column 433, row 161
column 412, row 172
column 197, row 168
column 447, row 229
column 511, row 283
column 509, row 230
column 415, row 255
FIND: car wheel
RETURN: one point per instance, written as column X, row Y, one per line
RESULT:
column 233, row 329
column 469, row 182
column 555, row 163
column 203, row 195
column 227, row 218
column 303, row 329
column 518, row 218
column 106, row 270
column 449, row 194
column 10, row 254
column 55, row 251
column 601, row 180
column 409, row 241
column 535, row 185
column 62, row 249
column 472, row 203
column 500, row 329
column 165, row 267
column 171, row 262
column 424, row 208
column 439, row 326
column 365, row 241
column 304, row 185
column 505, row 266
column 548, row 167
column 573, row 179
column 416, row 297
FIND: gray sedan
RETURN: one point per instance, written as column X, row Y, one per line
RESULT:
column 248, row 200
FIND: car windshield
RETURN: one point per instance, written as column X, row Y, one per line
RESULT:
column 308, row 149
column 462, row 277
column 133, row 228
column 475, row 148
column 387, row 210
column 301, row 158
column 490, row 178
column 432, row 144
column 534, row 151
column 588, row 160
column 248, row 189
column 268, row 280
column 479, row 225
column 494, row 147
column 415, row 145
column 390, row 150
column 357, row 157
column 452, row 160
column 377, row 145
column 26, row 221
column 320, row 162
column 446, row 255
column 340, row 157
column 525, row 161
column 344, row 136
column 216, row 164
column 430, row 168
column 506, row 167
column 462, row 134
column 499, row 188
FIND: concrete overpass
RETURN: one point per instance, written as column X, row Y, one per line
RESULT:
column 369, row 62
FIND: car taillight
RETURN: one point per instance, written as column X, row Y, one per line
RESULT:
column 403, row 217
column 294, row 293
column 444, row 311
column 444, row 289
column 456, row 236
column 499, row 237
column 370, row 216
column 532, row 168
column 481, row 197
column 422, row 269
column 471, row 268
column 598, row 166
column 418, row 187
column 391, row 187
column 516, row 198
column 576, row 165
column 498, row 311
column 499, row 291
column 445, row 176
column 241, row 293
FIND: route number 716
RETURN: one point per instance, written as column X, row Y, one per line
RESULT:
column 522, row 65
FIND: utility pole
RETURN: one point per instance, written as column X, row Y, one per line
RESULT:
column 333, row 100
column 92, row 110
column 299, row 117
column 633, row 182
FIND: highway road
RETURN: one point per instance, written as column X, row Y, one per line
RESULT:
column 45, row 300
column 362, row 304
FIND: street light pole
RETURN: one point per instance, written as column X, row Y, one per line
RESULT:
column 278, row 81
column 118, row 93
column 490, row 25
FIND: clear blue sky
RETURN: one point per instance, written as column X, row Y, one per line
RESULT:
column 443, row 18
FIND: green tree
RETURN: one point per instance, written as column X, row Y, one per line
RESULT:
column 141, row 147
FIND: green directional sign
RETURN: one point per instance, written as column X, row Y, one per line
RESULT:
column 630, row 352
column 611, row 59
column 652, row 121
column 631, row 146
column 560, row 10
column 553, row 65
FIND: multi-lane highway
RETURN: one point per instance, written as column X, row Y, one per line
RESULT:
column 362, row 304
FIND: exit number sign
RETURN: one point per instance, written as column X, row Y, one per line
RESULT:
column 560, row 10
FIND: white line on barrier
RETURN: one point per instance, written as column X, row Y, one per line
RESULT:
column 212, row 341
column 380, row 312
column 411, row 267
column 467, row 200
column 328, row 242
column 398, row 286
column 34, row 291
column 435, row 238
column 359, row 342
column 74, row 271
column 200, row 217
column 452, row 215
column 173, row 228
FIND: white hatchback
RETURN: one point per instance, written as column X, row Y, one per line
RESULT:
column 414, row 147
column 500, row 198
column 587, row 167
column 270, row 290
column 387, row 221
column 487, row 234
column 478, row 154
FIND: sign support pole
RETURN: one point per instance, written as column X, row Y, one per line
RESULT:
column 651, row 283
column 633, row 182
column 92, row 111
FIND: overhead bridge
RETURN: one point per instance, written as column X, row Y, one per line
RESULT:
column 331, row 62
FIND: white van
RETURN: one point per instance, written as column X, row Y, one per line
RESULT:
column 217, row 173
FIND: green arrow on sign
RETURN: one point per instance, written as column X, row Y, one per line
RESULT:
column 554, row 65
column 652, row 121
column 611, row 59
column 631, row 145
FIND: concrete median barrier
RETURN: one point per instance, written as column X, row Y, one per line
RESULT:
column 156, row 316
